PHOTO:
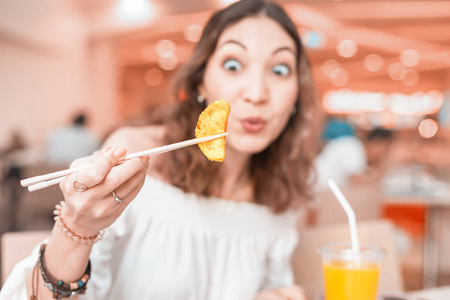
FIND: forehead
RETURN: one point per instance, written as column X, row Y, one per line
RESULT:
column 257, row 30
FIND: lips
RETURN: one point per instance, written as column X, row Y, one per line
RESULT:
column 253, row 124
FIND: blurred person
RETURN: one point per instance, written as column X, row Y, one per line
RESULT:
column 342, row 156
column 183, row 227
column 63, row 145
column 379, row 142
column 13, row 161
column 378, row 146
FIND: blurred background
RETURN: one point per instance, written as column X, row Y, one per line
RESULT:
column 73, row 71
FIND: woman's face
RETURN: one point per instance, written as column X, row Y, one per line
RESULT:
column 254, row 69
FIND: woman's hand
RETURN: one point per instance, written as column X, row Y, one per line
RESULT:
column 89, row 211
column 293, row 292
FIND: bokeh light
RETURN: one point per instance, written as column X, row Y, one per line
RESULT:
column 428, row 128
column 339, row 77
column 165, row 47
column 312, row 38
column 395, row 71
column 410, row 57
column 329, row 66
column 193, row 32
column 373, row 62
column 132, row 11
column 410, row 77
column 227, row 2
column 347, row 48
column 168, row 62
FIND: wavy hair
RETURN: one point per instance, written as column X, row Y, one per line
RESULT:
column 282, row 173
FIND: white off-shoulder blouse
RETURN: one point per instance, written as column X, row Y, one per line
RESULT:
column 172, row 245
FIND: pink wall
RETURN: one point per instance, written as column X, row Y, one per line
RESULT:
column 49, row 69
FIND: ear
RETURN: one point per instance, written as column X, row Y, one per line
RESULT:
column 202, row 91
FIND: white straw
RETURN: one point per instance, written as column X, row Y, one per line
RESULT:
column 349, row 211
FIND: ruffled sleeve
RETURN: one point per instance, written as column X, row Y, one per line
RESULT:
column 15, row 287
column 171, row 245
column 102, row 259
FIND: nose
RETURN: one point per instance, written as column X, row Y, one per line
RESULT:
column 256, row 89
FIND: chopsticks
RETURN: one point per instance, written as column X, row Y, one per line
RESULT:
column 43, row 181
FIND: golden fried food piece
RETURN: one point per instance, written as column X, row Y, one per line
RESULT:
column 213, row 120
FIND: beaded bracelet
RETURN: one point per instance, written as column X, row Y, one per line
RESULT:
column 58, row 287
column 70, row 234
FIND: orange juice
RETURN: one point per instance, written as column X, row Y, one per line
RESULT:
column 347, row 281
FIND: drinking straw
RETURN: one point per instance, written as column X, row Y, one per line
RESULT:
column 350, row 214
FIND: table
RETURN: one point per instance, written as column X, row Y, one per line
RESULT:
column 435, row 196
column 440, row 293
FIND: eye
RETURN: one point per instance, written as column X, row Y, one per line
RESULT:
column 232, row 65
column 281, row 70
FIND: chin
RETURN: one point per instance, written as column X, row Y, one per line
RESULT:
column 248, row 146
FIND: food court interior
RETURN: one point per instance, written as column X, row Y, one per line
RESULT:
column 382, row 74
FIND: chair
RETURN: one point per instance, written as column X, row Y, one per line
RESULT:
column 364, row 198
column 307, row 262
column 15, row 246
column 36, row 208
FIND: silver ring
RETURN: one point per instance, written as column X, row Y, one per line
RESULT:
column 78, row 185
column 118, row 200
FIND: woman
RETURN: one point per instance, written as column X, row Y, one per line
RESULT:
column 197, row 229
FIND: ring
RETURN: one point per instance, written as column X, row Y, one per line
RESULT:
column 78, row 185
column 118, row 200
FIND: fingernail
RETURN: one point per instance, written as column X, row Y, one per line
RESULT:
column 145, row 159
column 105, row 150
column 120, row 152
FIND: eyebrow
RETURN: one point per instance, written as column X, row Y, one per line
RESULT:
column 233, row 42
column 285, row 48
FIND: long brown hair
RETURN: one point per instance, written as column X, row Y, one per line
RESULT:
column 282, row 173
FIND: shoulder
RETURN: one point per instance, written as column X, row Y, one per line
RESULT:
column 136, row 138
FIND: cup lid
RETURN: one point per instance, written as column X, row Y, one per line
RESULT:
column 345, row 251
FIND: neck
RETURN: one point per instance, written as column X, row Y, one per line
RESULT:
column 235, row 183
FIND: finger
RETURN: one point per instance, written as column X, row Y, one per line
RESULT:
column 129, row 185
column 292, row 292
column 88, row 159
column 124, row 172
column 129, row 192
column 95, row 173
column 269, row 295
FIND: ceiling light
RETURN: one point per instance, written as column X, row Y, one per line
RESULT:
column 410, row 57
column 168, row 62
column 134, row 10
column 193, row 32
column 228, row 2
column 312, row 38
column 339, row 77
column 165, row 47
column 347, row 48
column 395, row 71
column 329, row 66
column 428, row 128
column 410, row 77
column 373, row 62
column 354, row 102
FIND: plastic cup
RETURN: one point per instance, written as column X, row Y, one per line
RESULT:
column 349, row 275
